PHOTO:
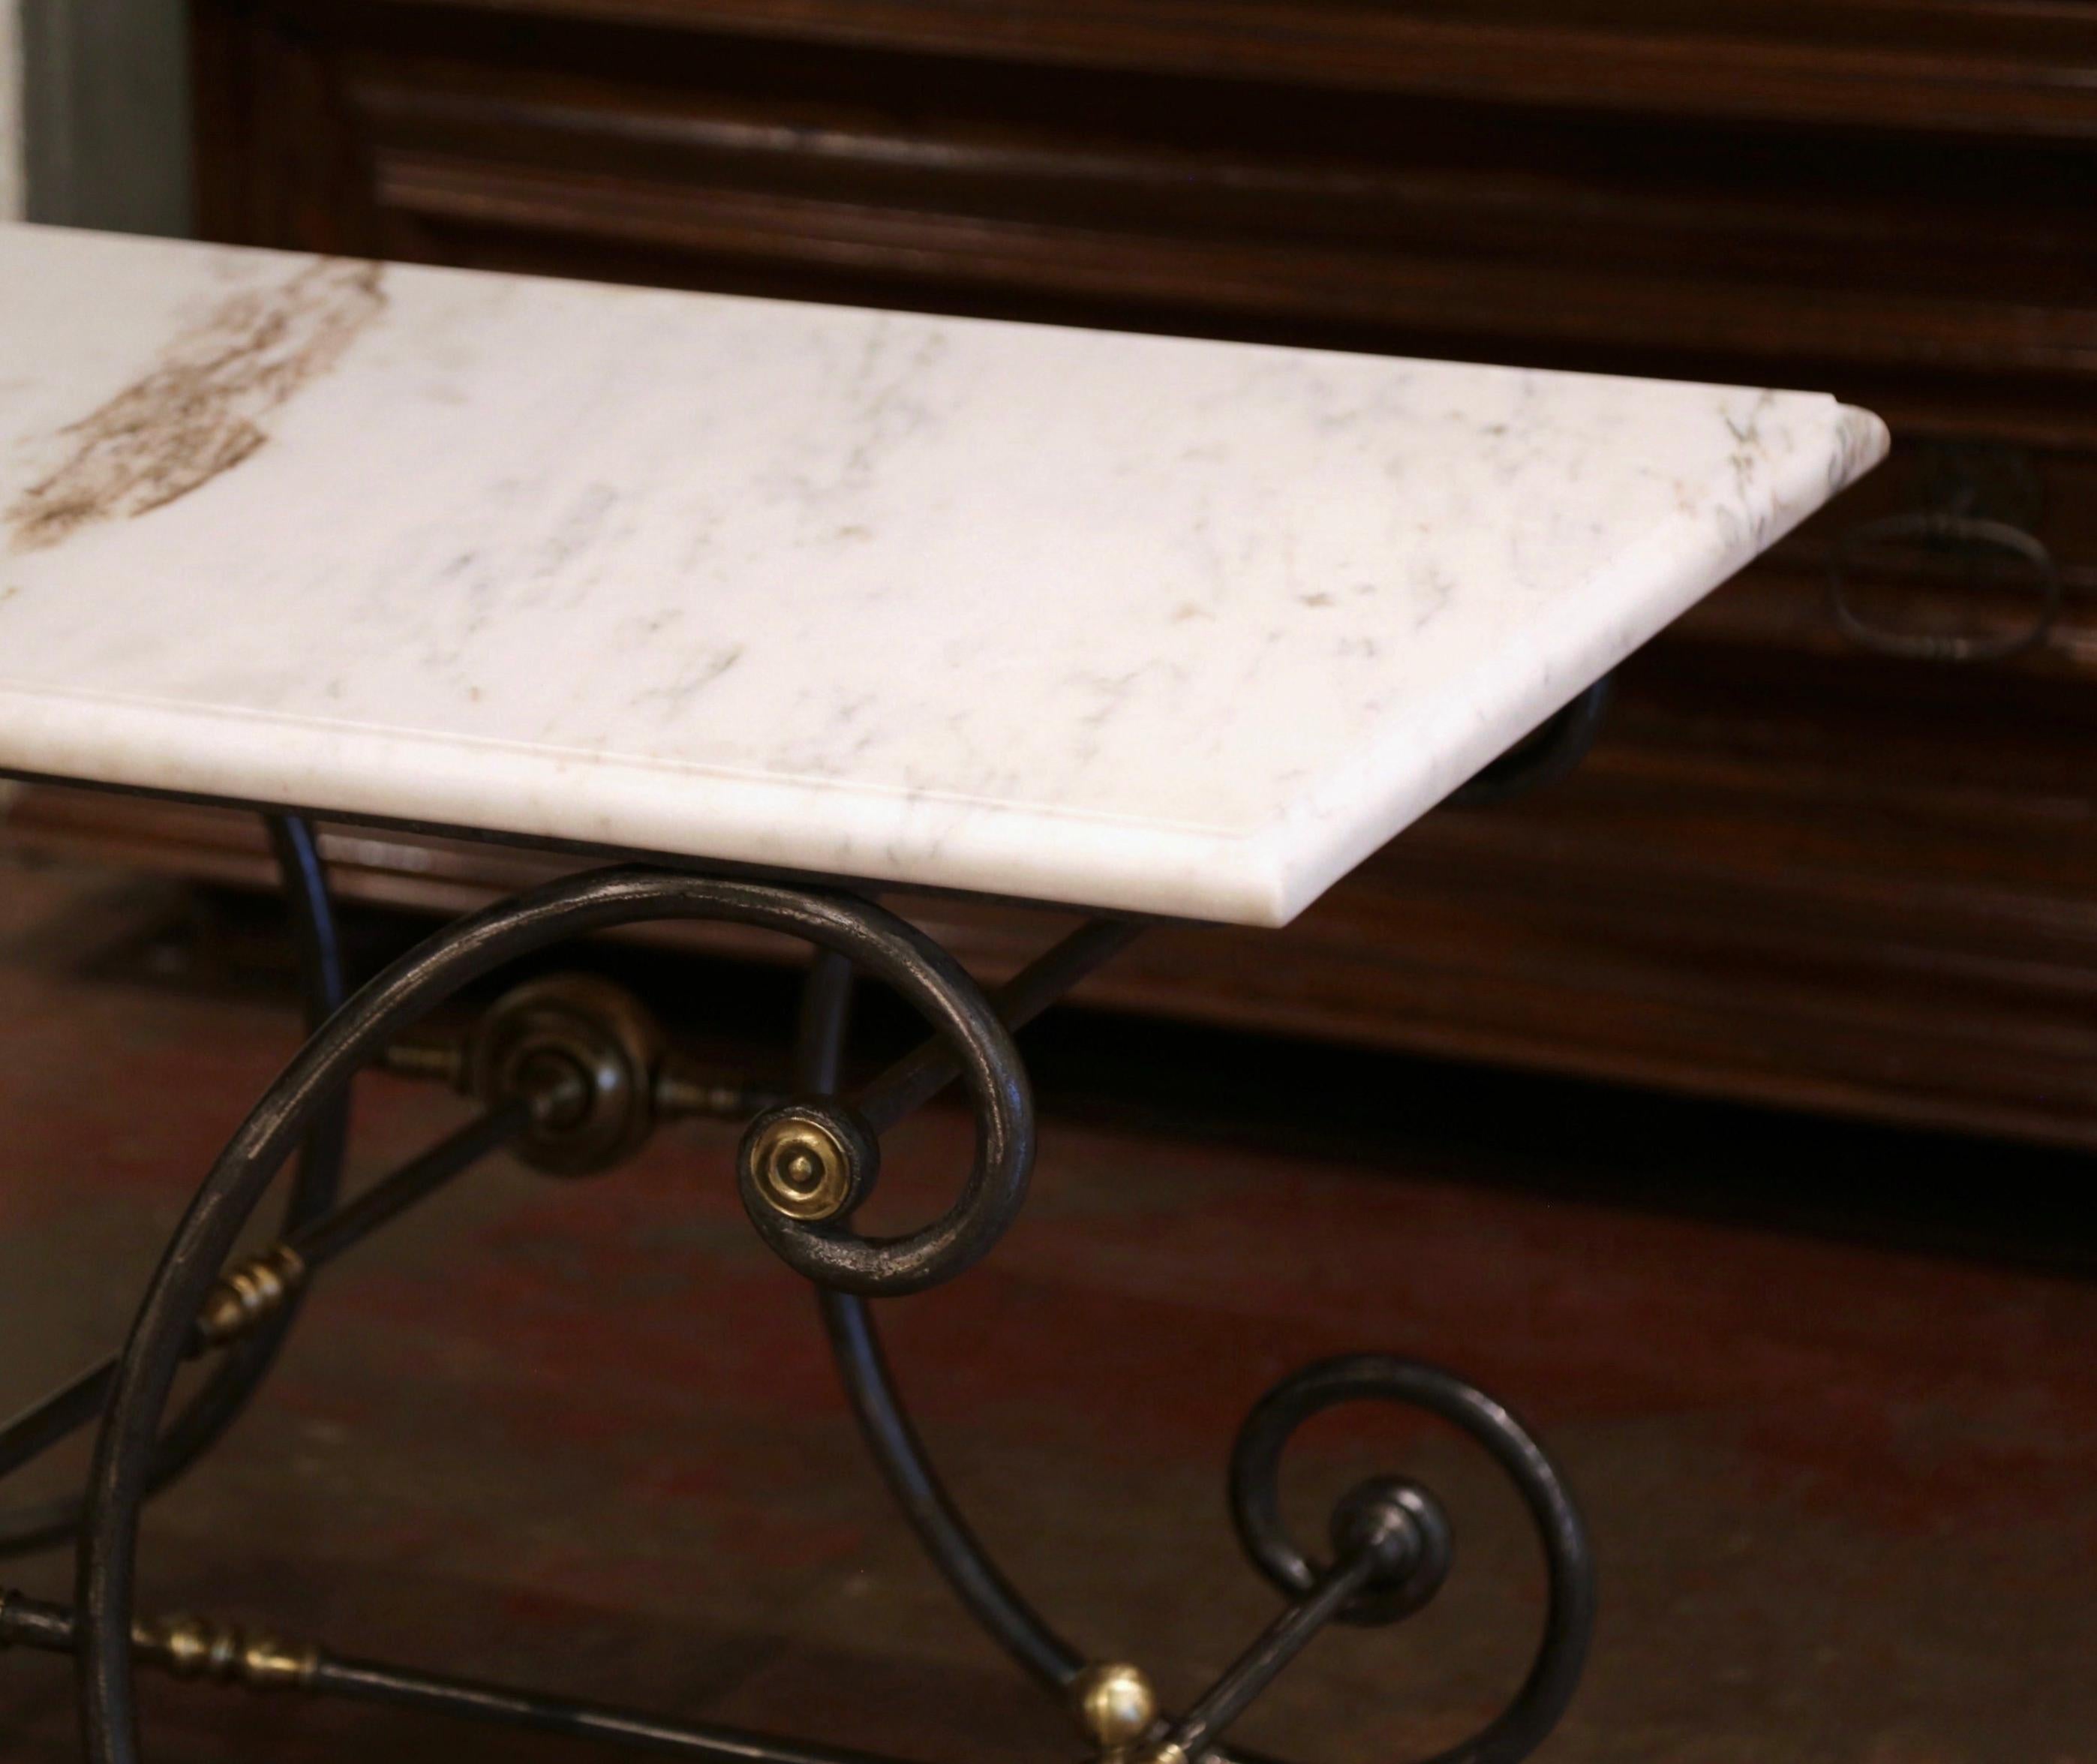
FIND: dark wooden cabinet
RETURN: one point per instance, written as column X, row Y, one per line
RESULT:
column 1795, row 869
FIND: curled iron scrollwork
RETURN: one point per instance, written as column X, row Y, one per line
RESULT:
column 573, row 1094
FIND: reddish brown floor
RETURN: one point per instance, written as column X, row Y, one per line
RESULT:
column 585, row 1435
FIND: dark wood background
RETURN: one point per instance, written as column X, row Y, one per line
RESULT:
column 1794, row 869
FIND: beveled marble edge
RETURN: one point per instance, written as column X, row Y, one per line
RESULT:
column 1650, row 586
column 1138, row 868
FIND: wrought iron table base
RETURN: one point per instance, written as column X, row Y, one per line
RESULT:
column 568, row 1075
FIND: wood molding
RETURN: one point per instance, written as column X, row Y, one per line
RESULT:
column 1966, row 65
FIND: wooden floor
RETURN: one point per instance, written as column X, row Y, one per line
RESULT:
column 1830, row 1396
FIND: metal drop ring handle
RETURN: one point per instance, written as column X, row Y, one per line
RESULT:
column 1940, row 527
column 1255, row 1495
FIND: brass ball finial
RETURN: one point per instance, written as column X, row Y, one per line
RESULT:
column 1115, row 1703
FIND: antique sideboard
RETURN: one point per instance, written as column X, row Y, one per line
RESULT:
column 1837, row 846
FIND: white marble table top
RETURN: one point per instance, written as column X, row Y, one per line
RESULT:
column 1127, row 622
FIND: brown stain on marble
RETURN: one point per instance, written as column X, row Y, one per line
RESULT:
column 200, row 410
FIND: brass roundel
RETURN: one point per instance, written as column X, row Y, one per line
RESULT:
column 808, row 1161
column 571, row 1026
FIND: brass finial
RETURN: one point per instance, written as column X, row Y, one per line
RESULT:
column 1115, row 1703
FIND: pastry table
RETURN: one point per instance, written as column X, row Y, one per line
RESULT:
column 774, row 606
